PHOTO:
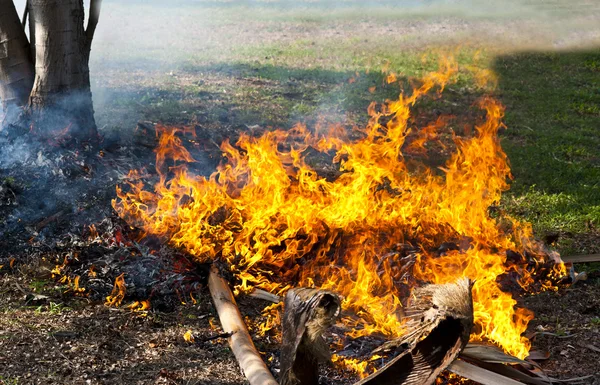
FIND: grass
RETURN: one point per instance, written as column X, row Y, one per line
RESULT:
column 38, row 285
column 553, row 105
column 51, row 308
column 8, row 381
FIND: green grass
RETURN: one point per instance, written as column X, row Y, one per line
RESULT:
column 52, row 308
column 553, row 142
column 8, row 381
column 39, row 285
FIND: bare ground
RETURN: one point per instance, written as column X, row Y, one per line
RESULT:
column 67, row 340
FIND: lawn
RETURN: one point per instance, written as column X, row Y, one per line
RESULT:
column 553, row 111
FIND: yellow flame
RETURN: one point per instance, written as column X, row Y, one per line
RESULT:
column 73, row 285
column 118, row 292
column 188, row 337
column 354, row 365
column 139, row 306
column 276, row 221
column 272, row 314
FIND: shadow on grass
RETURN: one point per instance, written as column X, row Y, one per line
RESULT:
column 553, row 137
column 239, row 95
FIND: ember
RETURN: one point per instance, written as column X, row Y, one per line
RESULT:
column 371, row 233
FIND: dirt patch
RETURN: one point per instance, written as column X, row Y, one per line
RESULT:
column 58, row 339
column 71, row 341
column 567, row 325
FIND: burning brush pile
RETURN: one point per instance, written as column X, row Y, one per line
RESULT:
column 405, row 263
column 372, row 259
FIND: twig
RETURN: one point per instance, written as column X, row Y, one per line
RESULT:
column 555, row 335
column 591, row 347
column 240, row 342
column 581, row 258
column 483, row 376
column 95, row 6
column 265, row 295
column 25, row 13
column 216, row 337
column 45, row 222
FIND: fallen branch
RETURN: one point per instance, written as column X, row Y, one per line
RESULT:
column 240, row 342
column 493, row 359
column 586, row 258
column 483, row 376
column 265, row 295
column 46, row 221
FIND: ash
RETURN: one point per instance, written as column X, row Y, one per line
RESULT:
column 55, row 211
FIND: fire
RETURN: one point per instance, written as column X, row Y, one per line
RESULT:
column 188, row 336
column 352, row 364
column 73, row 285
column 118, row 292
column 139, row 306
column 273, row 318
column 275, row 220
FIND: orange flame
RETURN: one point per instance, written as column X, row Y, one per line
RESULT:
column 273, row 318
column 93, row 232
column 118, row 292
column 73, row 285
column 275, row 220
column 139, row 306
column 352, row 364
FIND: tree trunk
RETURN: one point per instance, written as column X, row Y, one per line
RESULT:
column 16, row 70
column 61, row 95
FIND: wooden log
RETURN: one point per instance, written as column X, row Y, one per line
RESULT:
column 240, row 342
column 265, row 295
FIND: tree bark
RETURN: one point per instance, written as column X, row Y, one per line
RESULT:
column 16, row 69
column 61, row 95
